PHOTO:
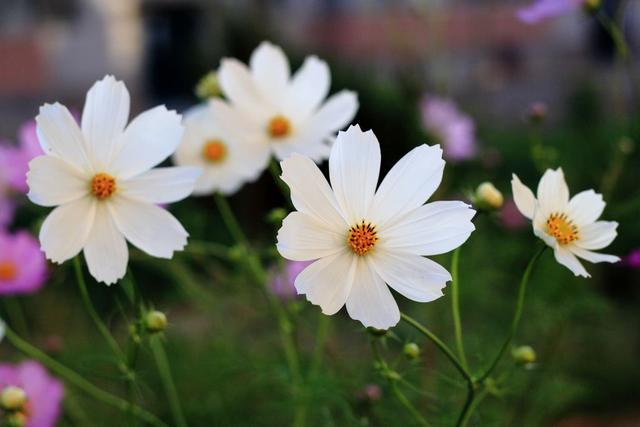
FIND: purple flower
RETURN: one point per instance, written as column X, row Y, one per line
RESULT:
column 633, row 259
column 541, row 10
column 283, row 281
column 7, row 209
column 454, row 129
column 14, row 160
column 44, row 393
column 23, row 268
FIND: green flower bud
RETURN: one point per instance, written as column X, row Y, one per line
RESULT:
column 411, row 350
column 155, row 321
column 524, row 355
column 208, row 86
column 13, row 398
column 488, row 197
column 275, row 216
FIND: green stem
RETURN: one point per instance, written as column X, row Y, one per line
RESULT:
column 78, row 381
column 102, row 328
column 473, row 405
column 321, row 338
column 208, row 248
column 612, row 28
column 275, row 173
column 516, row 315
column 164, row 369
column 465, row 413
column 455, row 307
column 16, row 314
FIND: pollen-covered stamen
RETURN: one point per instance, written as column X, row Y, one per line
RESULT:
column 103, row 185
column 562, row 228
column 8, row 270
column 362, row 238
column 214, row 151
column 279, row 127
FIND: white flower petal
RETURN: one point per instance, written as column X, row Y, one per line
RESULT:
column 354, row 166
column 52, row 182
column 432, row 229
column 335, row 113
column 308, row 87
column 594, row 256
column 234, row 122
column 310, row 192
column 370, row 300
column 306, row 143
column 60, row 136
column 238, row 86
column 270, row 70
column 148, row 227
column 598, row 235
column 328, row 281
column 106, row 250
column 565, row 257
column 161, row 185
column 417, row 278
column 523, row 197
column 303, row 238
column 408, row 184
column 585, row 207
column 65, row 230
column 104, row 117
column 148, row 140
column 553, row 193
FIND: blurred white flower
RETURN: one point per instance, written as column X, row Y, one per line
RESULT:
column 570, row 227
column 363, row 238
column 227, row 160
column 100, row 177
column 284, row 114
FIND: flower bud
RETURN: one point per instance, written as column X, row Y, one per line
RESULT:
column 524, row 355
column 372, row 392
column 488, row 196
column 537, row 112
column 626, row 145
column 208, row 86
column 155, row 321
column 13, row 398
column 411, row 350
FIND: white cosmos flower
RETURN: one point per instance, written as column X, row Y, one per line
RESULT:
column 283, row 114
column 569, row 226
column 100, row 177
column 228, row 161
column 363, row 238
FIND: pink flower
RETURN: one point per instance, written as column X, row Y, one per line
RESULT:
column 633, row 259
column 7, row 209
column 14, row 161
column 454, row 129
column 23, row 268
column 282, row 284
column 511, row 217
column 541, row 10
column 44, row 393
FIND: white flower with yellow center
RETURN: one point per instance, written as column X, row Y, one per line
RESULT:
column 363, row 238
column 100, row 177
column 283, row 114
column 226, row 159
column 569, row 226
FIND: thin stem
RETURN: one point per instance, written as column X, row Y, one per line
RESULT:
column 321, row 338
column 102, row 328
column 16, row 314
column 473, row 405
column 516, row 315
column 164, row 369
column 468, row 404
column 78, row 381
column 455, row 307
column 612, row 28
column 275, row 173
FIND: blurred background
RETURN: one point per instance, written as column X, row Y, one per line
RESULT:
column 553, row 93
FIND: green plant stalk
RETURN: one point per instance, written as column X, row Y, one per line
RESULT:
column 284, row 188
column 455, row 307
column 614, row 31
column 16, row 314
column 78, row 381
column 164, row 369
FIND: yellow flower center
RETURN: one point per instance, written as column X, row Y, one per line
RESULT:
column 103, row 185
column 8, row 270
column 562, row 228
column 279, row 127
column 214, row 151
column 362, row 238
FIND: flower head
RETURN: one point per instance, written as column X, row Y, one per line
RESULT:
column 633, row 259
column 43, row 393
column 282, row 113
column 453, row 129
column 226, row 158
column 100, row 177
column 363, row 238
column 23, row 268
column 569, row 226
column 541, row 10
column 282, row 284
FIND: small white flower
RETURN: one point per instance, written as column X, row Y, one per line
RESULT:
column 227, row 160
column 570, row 227
column 100, row 177
column 363, row 238
column 283, row 114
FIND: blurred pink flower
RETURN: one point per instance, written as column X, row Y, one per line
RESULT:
column 511, row 217
column 7, row 209
column 14, row 160
column 541, row 10
column 23, row 268
column 44, row 393
column 283, row 281
column 453, row 129
column 633, row 259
